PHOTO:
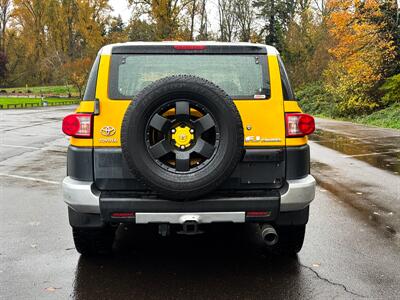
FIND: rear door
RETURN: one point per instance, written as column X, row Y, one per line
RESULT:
column 247, row 74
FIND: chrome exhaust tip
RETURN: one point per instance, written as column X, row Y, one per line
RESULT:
column 269, row 235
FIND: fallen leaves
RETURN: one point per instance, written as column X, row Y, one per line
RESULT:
column 52, row 289
column 316, row 265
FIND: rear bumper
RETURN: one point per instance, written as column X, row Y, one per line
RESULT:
column 216, row 207
column 83, row 197
column 181, row 218
column 299, row 194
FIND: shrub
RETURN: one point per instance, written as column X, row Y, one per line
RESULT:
column 388, row 117
column 315, row 99
column 391, row 90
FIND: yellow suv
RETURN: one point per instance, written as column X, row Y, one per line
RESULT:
column 184, row 134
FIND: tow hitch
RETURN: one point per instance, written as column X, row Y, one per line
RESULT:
column 190, row 228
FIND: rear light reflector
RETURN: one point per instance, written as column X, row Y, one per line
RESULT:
column 189, row 47
column 258, row 214
column 298, row 124
column 78, row 125
column 123, row 215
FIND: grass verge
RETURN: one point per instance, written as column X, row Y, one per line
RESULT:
column 388, row 117
column 38, row 90
column 7, row 102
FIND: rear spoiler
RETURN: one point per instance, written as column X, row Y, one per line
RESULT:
column 206, row 49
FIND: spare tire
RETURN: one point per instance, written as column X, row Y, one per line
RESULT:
column 182, row 136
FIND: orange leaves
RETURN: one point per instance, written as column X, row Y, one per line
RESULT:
column 361, row 49
column 77, row 71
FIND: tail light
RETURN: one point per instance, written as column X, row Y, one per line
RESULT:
column 258, row 214
column 78, row 125
column 298, row 124
column 189, row 47
column 123, row 215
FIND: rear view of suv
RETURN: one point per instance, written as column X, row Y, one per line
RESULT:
column 186, row 134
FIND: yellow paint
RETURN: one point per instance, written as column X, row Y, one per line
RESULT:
column 193, row 112
column 81, row 142
column 263, row 119
column 86, row 107
column 182, row 136
column 291, row 106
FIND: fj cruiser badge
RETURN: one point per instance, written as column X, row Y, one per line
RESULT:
column 107, row 131
column 259, row 139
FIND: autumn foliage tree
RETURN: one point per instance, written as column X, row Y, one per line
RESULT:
column 44, row 36
column 361, row 50
column 77, row 71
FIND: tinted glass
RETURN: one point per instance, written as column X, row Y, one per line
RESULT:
column 288, row 93
column 90, row 91
column 241, row 76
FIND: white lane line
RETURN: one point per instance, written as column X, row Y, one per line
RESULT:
column 23, row 147
column 35, row 148
column 370, row 154
column 29, row 126
column 30, row 179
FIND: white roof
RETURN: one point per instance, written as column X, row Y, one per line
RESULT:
column 107, row 50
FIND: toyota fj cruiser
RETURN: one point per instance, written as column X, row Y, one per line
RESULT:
column 184, row 134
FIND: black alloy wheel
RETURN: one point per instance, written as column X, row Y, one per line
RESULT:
column 182, row 136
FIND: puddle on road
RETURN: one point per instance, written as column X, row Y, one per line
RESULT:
column 371, row 150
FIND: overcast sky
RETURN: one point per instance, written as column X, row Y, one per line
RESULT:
column 121, row 8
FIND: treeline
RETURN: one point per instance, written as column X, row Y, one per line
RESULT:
column 342, row 55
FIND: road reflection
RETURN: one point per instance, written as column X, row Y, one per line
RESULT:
column 379, row 152
column 228, row 261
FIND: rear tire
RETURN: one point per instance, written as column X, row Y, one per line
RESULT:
column 290, row 241
column 182, row 94
column 93, row 241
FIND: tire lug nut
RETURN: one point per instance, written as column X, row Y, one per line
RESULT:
column 191, row 130
column 173, row 130
column 183, row 147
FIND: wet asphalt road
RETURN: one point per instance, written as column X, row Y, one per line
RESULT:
column 348, row 253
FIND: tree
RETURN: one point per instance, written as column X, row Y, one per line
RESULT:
column 3, row 65
column 227, row 20
column 305, row 45
column 193, row 11
column 5, row 15
column 166, row 15
column 203, row 28
column 117, row 32
column 139, row 30
column 30, row 16
column 360, row 53
column 77, row 72
column 244, row 15
column 277, row 14
column 390, row 18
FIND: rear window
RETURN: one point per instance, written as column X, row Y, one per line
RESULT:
column 241, row 76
